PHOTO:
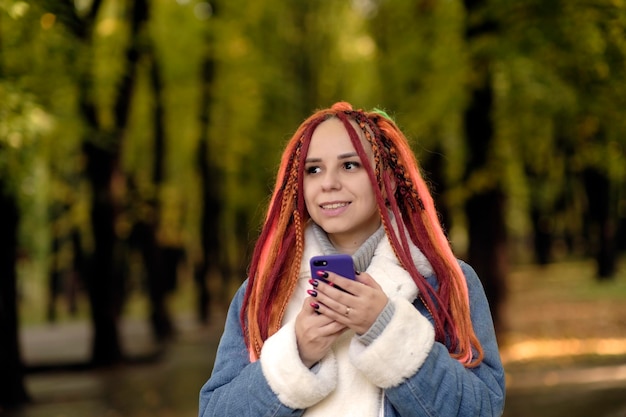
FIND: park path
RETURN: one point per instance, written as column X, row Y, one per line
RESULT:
column 169, row 387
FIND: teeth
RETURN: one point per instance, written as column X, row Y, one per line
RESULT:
column 334, row 206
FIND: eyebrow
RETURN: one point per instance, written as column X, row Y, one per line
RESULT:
column 339, row 157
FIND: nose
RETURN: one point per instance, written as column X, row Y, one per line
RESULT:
column 330, row 181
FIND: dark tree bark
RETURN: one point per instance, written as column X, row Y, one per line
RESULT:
column 301, row 60
column 102, row 283
column 101, row 149
column 542, row 236
column 602, row 224
column 484, row 208
column 207, row 229
column 105, row 285
column 434, row 166
column 209, row 183
column 540, row 215
column 151, row 249
column 55, row 278
column 488, row 250
column 12, row 390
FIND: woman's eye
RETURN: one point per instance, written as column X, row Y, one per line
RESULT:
column 312, row 170
column 352, row 165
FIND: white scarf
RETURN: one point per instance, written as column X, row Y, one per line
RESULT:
column 354, row 394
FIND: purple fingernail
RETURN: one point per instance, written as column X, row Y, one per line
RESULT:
column 312, row 293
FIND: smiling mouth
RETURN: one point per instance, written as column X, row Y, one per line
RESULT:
column 333, row 206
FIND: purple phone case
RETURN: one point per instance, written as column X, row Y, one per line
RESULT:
column 340, row 264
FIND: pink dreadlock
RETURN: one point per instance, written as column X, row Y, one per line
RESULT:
column 278, row 252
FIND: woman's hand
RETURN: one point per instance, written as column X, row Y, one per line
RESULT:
column 357, row 307
column 315, row 333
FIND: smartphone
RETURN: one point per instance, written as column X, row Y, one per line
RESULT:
column 340, row 264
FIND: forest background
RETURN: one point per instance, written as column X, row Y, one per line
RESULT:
column 139, row 139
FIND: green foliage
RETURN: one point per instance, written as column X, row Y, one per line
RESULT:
column 419, row 52
column 38, row 105
column 558, row 78
column 23, row 123
column 422, row 67
column 559, row 81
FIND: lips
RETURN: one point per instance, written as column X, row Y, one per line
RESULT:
column 334, row 206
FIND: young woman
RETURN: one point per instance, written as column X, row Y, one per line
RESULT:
column 412, row 335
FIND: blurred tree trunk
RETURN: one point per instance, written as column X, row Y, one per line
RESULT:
column 147, row 227
column 210, row 181
column 12, row 389
column 602, row 225
column 101, row 147
column 105, row 285
column 161, row 321
column 542, row 235
column 102, row 283
column 303, row 60
column 209, row 228
column 434, row 166
column 484, row 208
column 541, row 214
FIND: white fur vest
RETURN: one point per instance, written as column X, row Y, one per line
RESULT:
column 351, row 378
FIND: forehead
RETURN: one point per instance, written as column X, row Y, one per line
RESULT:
column 332, row 135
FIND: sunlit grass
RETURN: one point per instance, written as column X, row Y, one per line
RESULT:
column 535, row 349
column 562, row 313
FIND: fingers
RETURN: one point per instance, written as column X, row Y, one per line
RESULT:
column 357, row 307
column 311, row 321
column 312, row 318
column 315, row 333
column 366, row 279
column 363, row 284
column 348, row 285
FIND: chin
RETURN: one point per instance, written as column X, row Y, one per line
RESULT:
column 337, row 231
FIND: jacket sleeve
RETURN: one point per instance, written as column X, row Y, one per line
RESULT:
column 433, row 383
column 237, row 387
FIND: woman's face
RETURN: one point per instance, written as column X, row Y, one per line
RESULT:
column 337, row 191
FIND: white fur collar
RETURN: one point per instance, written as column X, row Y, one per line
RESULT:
column 350, row 378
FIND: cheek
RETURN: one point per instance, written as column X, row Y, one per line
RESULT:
column 307, row 192
column 366, row 186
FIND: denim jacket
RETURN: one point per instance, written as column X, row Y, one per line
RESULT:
column 440, row 387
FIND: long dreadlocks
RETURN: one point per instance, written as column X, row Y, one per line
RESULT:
column 278, row 252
